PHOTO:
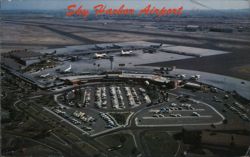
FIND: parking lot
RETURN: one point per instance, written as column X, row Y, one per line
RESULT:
column 178, row 113
column 109, row 97
column 89, row 121
column 88, row 107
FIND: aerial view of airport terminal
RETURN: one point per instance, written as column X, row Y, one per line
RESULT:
column 125, row 78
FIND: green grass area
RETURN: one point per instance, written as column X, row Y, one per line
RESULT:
column 89, row 150
column 45, row 100
column 125, row 140
column 120, row 117
column 159, row 143
column 26, row 147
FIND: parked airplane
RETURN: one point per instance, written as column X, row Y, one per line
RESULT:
column 45, row 75
column 149, row 50
column 195, row 77
column 100, row 55
column 152, row 48
column 182, row 76
column 50, row 54
column 156, row 46
column 126, row 53
column 68, row 70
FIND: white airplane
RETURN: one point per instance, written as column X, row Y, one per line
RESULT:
column 198, row 76
column 195, row 77
column 100, row 55
column 45, row 75
column 125, row 53
column 68, row 69
column 183, row 75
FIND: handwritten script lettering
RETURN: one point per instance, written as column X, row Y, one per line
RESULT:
column 101, row 9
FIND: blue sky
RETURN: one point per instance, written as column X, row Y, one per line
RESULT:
column 137, row 4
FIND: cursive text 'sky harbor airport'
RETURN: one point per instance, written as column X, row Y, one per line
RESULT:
column 102, row 9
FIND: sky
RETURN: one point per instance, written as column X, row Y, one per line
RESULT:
column 137, row 4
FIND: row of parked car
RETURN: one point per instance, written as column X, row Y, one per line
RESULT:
column 66, row 116
column 101, row 97
column 160, row 115
column 116, row 97
column 174, row 107
column 146, row 98
column 133, row 99
column 86, row 97
column 83, row 117
column 120, row 97
column 109, row 121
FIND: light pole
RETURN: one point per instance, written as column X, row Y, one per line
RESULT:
column 111, row 59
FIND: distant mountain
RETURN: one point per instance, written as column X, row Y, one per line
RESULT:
column 217, row 13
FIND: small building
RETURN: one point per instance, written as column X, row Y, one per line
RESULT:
column 221, row 29
column 192, row 85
